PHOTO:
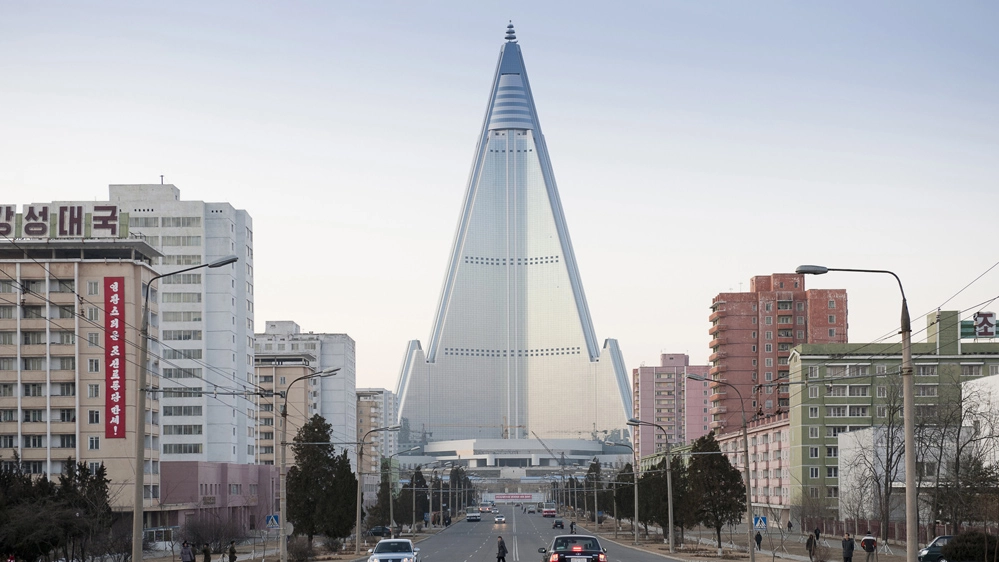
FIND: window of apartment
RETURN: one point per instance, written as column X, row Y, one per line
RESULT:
column 813, row 472
column 180, row 335
column 813, row 411
column 181, row 410
column 813, row 432
column 6, row 338
column 813, row 492
column 182, row 373
column 832, row 318
column 783, row 319
column 769, row 361
column 768, row 348
column 67, row 311
column 832, row 452
column 8, row 441
column 65, row 388
column 769, row 376
column 93, row 314
column 181, row 298
column 182, row 430
column 93, row 391
column 859, row 411
column 832, row 332
column 31, row 389
column 860, row 390
column 926, row 370
column 926, row 390
column 185, row 316
column 769, row 320
column 753, row 348
column 93, row 287
column 93, row 366
column 801, row 320
column 813, row 392
column 835, row 390
column 64, row 363
column 66, row 338
column 181, row 448
column 182, row 279
column 93, row 339
column 801, row 334
column 882, row 411
column 8, row 415
column 32, row 338
column 813, row 371
column 33, row 441
column 813, row 452
column 94, row 416
column 836, row 411
column 94, row 443
column 6, row 312
column 832, row 491
column 834, row 430
column 6, row 389
column 971, row 370
column 181, row 240
column 6, row 286
column 65, row 441
column 33, row 416
column 832, row 304
column 832, row 472
column 181, row 222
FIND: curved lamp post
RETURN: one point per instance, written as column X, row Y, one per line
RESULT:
column 634, row 474
column 669, row 479
column 908, row 408
column 745, row 446
column 360, row 477
column 140, row 403
column 283, row 476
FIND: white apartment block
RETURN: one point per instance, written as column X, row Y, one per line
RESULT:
column 333, row 397
column 205, row 350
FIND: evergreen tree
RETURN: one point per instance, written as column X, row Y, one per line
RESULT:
column 321, row 486
column 715, row 487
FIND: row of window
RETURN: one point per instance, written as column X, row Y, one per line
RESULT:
column 167, row 222
column 38, row 363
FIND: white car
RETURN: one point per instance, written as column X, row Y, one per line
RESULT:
column 500, row 518
column 397, row 550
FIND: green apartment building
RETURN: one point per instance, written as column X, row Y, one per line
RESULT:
column 837, row 388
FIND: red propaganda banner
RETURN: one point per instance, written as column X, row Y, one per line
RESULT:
column 114, row 357
column 514, row 496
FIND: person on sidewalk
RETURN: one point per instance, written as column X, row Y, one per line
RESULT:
column 810, row 547
column 186, row 554
column 848, row 547
column 232, row 551
column 759, row 540
column 206, row 553
column 870, row 545
column 500, row 550
column 789, row 525
column 816, row 536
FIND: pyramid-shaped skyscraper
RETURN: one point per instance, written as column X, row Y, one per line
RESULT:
column 513, row 353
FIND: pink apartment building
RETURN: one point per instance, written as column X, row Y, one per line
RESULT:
column 665, row 396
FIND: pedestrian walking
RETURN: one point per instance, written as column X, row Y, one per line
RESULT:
column 848, row 547
column 810, row 547
column 759, row 540
column 186, row 554
column 232, row 551
column 816, row 536
column 206, row 553
column 870, row 545
column 572, row 527
column 500, row 550
column 789, row 525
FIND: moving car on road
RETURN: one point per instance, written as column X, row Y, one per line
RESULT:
column 398, row 550
column 574, row 548
column 500, row 518
column 558, row 524
column 380, row 531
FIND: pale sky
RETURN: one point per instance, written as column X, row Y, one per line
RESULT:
column 695, row 145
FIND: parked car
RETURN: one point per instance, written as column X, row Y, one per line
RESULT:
column 394, row 549
column 379, row 531
column 932, row 551
column 574, row 548
column 558, row 524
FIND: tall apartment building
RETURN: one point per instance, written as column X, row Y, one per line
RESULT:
column 664, row 395
column 205, row 348
column 752, row 334
column 333, row 397
column 376, row 407
column 70, row 316
column 839, row 389
column 274, row 373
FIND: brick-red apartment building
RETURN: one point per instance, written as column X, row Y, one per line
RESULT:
column 752, row 334
column 663, row 395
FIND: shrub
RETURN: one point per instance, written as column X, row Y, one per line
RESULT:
column 299, row 549
column 973, row 546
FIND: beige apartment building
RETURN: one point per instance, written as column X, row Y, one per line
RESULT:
column 70, row 317
column 274, row 372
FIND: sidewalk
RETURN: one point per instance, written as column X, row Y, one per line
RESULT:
column 700, row 545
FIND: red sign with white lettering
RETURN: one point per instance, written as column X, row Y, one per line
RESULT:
column 114, row 357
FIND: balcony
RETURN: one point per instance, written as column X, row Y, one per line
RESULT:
column 718, row 410
column 719, row 327
column 720, row 313
column 716, row 342
column 716, row 356
column 717, row 369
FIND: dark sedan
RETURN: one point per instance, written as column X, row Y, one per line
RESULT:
column 574, row 548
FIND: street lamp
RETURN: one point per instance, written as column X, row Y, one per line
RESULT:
column 391, row 507
column 634, row 422
column 283, row 476
column 360, row 477
column 745, row 445
column 635, row 476
column 140, row 403
column 908, row 409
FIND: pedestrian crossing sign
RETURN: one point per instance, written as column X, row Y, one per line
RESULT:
column 272, row 521
column 759, row 522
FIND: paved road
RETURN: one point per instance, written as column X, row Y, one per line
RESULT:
column 523, row 533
